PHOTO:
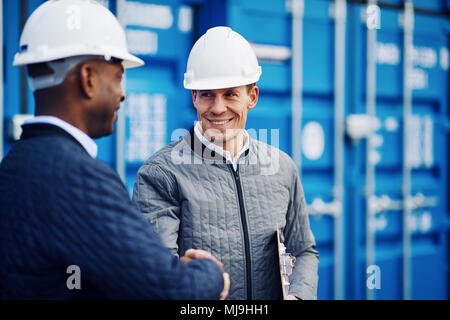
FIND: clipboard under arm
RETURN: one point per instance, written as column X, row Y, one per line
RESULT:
column 286, row 263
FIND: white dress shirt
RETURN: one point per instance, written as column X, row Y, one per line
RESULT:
column 224, row 153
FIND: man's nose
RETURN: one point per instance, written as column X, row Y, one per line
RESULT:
column 122, row 96
column 218, row 106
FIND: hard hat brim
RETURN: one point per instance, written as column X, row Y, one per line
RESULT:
column 129, row 60
column 220, row 83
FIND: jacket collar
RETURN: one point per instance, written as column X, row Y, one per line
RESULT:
column 202, row 151
column 34, row 130
column 88, row 144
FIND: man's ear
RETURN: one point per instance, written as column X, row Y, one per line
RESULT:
column 88, row 77
column 253, row 96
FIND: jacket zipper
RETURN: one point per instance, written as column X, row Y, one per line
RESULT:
column 245, row 230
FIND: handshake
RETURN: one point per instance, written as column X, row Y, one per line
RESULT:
column 193, row 254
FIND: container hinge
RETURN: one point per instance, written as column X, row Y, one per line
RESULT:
column 360, row 126
column 318, row 208
column 385, row 203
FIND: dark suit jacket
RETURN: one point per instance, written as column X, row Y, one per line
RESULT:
column 59, row 208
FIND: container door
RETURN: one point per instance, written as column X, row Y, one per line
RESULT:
column 398, row 183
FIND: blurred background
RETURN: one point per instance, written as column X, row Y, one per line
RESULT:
column 359, row 93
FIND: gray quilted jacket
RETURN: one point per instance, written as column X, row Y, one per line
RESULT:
column 195, row 199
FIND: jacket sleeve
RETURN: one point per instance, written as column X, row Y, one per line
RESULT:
column 300, row 242
column 155, row 195
column 98, row 228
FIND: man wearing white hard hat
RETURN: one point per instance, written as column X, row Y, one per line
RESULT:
column 67, row 226
column 219, row 190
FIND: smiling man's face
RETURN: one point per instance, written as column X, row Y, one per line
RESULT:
column 223, row 112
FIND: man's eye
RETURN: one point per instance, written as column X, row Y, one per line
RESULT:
column 206, row 95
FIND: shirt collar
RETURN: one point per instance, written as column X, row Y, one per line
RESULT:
column 224, row 153
column 88, row 144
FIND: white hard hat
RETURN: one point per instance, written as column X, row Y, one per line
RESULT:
column 221, row 58
column 66, row 28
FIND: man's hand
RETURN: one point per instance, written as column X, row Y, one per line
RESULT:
column 226, row 286
column 193, row 254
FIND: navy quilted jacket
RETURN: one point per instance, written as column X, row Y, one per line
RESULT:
column 59, row 207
